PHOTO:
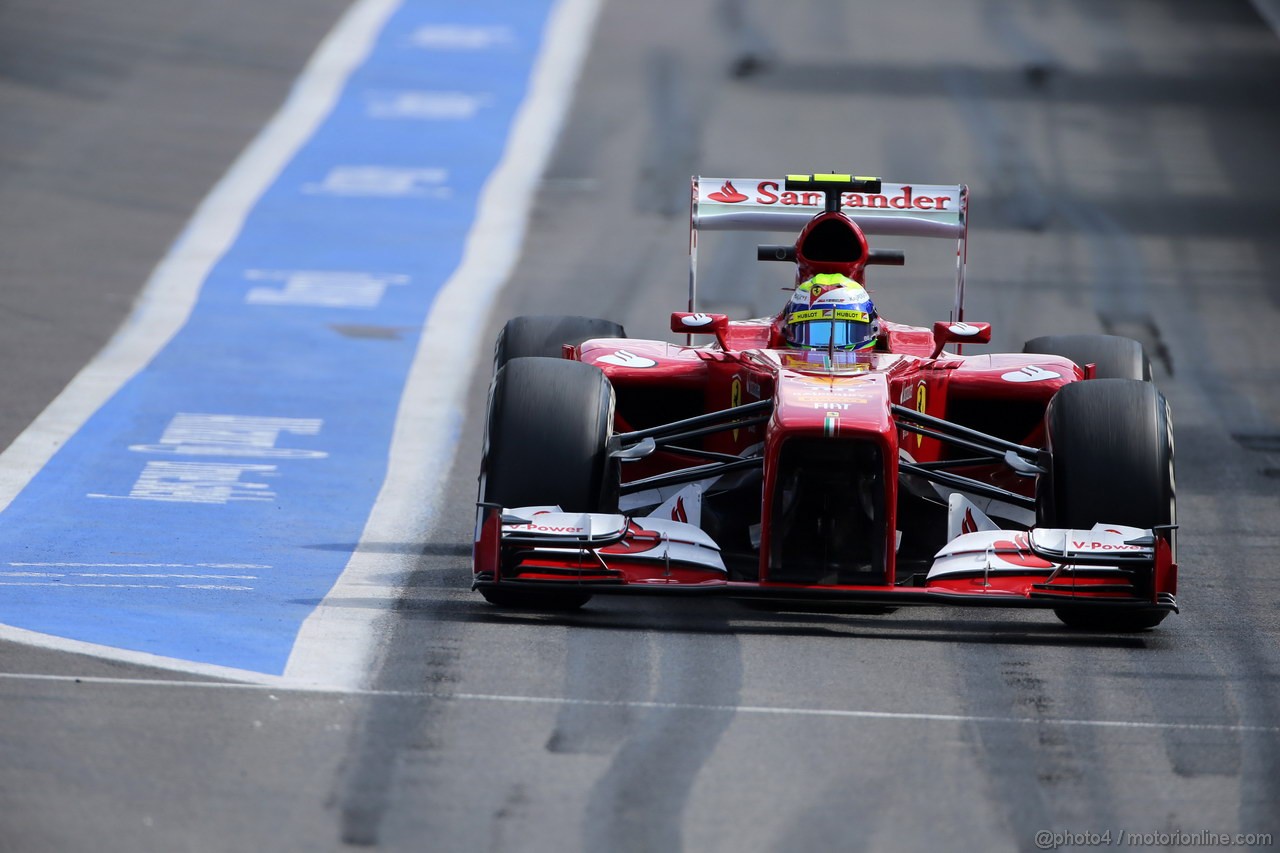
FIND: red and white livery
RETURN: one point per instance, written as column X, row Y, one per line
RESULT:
column 917, row 472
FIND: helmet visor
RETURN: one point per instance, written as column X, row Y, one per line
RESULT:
column 818, row 328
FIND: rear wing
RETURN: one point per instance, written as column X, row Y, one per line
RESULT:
column 787, row 204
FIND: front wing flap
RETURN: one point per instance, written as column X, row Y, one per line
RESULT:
column 545, row 546
column 1109, row 565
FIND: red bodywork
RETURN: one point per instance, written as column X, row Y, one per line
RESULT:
column 805, row 396
column 837, row 400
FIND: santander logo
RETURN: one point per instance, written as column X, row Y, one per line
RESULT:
column 727, row 193
column 905, row 198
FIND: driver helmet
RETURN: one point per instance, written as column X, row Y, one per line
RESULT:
column 830, row 308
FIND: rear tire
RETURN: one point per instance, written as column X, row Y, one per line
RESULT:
column 1111, row 448
column 1115, row 357
column 550, row 421
column 544, row 336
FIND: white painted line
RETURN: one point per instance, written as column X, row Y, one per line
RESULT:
column 10, row 634
column 169, row 295
column 60, row 565
column 79, row 585
column 154, row 575
column 339, row 643
column 558, row 701
column 840, row 713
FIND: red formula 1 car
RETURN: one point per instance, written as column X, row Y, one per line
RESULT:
column 785, row 463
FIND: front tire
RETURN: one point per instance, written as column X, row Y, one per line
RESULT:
column 1111, row 450
column 550, row 421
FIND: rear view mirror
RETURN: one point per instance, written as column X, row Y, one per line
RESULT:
column 699, row 323
column 959, row 333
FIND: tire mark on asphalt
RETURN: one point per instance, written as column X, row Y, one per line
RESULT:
column 1010, row 177
column 1039, row 63
column 731, row 281
column 394, row 727
column 670, row 153
column 750, row 50
column 1119, row 283
column 1044, row 775
column 1233, row 646
column 610, row 665
column 830, row 823
column 639, row 802
column 1122, row 302
column 1121, row 298
column 1259, row 770
column 1008, row 170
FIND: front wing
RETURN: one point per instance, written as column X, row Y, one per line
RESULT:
column 541, row 547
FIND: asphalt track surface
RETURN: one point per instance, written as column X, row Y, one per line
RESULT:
column 1121, row 158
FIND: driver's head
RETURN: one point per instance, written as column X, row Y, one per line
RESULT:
column 830, row 307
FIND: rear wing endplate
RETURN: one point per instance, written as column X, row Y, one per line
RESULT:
column 766, row 204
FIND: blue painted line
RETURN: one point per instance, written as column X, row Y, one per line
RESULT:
column 205, row 510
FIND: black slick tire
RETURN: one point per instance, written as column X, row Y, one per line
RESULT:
column 549, row 425
column 544, row 336
column 1111, row 448
column 1115, row 357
